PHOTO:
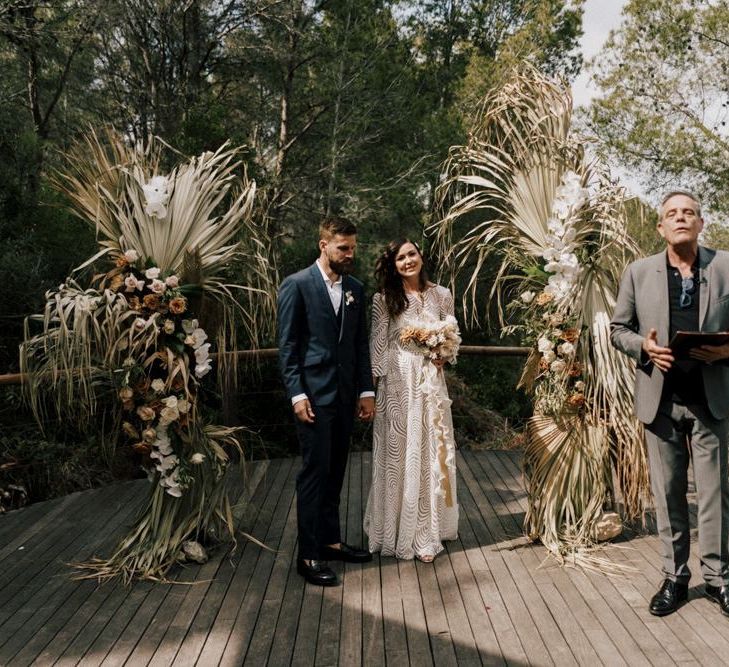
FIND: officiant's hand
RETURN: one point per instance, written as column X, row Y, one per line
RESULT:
column 366, row 408
column 710, row 353
column 660, row 356
column 303, row 411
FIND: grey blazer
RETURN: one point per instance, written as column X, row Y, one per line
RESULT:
column 643, row 304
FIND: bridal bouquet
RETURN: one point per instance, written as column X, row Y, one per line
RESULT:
column 434, row 339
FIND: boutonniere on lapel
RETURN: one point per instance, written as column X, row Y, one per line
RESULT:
column 348, row 298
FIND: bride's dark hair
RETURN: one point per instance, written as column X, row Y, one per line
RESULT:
column 389, row 281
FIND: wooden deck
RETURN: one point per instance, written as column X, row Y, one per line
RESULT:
column 490, row 599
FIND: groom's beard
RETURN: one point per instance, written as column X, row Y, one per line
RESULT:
column 345, row 267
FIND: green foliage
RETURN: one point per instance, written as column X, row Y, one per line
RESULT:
column 663, row 110
column 642, row 221
column 716, row 235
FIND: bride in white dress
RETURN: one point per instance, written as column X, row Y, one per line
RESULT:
column 412, row 504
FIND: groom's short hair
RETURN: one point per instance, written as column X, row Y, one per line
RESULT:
column 332, row 225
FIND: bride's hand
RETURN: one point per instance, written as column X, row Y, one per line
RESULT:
column 438, row 363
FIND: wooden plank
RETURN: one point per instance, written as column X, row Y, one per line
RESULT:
column 373, row 641
column 87, row 613
column 46, row 610
column 17, row 526
column 709, row 620
column 476, row 611
column 270, row 528
column 84, row 628
column 509, row 645
column 131, row 634
column 330, row 619
column 197, row 634
column 531, row 557
column 514, row 498
column 567, row 606
column 350, row 647
column 57, row 536
column 106, row 626
column 531, row 617
column 691, row 624
column 395, row 625
column 459, row 627
column 635, row 644
column 186, row 613
column 636, row 591
column 263, row 633
column 287, row 622
column 416, row 626
column 238, row 577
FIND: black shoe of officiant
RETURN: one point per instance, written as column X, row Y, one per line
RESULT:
column 668, row 598
column 347, row 554
column 316, row 572
column 720, row 595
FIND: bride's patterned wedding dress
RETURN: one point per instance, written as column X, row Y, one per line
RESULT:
column 413, row 452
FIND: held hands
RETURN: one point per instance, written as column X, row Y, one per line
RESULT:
column 710, row 353
column 660, row 356
column 438, row 363
column 366, row 408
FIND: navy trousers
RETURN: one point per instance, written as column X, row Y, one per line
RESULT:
column 324, row 450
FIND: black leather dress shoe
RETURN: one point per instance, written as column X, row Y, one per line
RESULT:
column 347, row 554
column 668, row 598
column 720, row 595
column 316, row 572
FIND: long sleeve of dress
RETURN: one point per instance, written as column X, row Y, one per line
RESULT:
column 378, row 337
column 447, row 307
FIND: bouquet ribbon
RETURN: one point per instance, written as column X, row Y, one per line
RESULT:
column 445, row 459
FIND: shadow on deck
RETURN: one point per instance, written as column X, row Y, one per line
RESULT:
column 482, row 602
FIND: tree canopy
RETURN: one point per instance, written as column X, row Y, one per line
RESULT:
column 344, row 105
column 664, row 77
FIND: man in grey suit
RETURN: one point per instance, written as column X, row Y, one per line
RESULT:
column 325, row 363
column 684, row 403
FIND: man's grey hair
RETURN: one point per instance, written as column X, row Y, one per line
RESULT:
column 673, row 193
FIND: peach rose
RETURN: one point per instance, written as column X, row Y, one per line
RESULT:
column 146, row 413
column 178, row 305
column 571, row 334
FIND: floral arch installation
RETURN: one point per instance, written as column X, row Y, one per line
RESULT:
column 131, row 349
column 524, row 189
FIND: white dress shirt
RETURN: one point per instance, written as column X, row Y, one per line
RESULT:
column 334, row 289
column 335, row 295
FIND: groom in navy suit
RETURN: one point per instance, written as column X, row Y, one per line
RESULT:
column 325, row 363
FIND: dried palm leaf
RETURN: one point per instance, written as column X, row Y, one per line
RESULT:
column 497, row 198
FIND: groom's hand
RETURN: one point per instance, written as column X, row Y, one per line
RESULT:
column 366, row 408
column 303, row 411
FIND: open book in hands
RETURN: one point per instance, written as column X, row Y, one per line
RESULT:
column 684, row 341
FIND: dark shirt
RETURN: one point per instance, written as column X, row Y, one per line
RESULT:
column 683, row 383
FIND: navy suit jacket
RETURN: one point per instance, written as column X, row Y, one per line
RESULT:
column 318, row 355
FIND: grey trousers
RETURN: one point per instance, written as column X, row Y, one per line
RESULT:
column 674, row 429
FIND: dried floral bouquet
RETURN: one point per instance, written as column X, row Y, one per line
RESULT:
column 133, row 337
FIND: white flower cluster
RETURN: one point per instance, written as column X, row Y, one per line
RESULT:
column 559, row 254
column 167, row 461
column 156, row 194
column 196, row 338
column 550, row 352
column 152, row 274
